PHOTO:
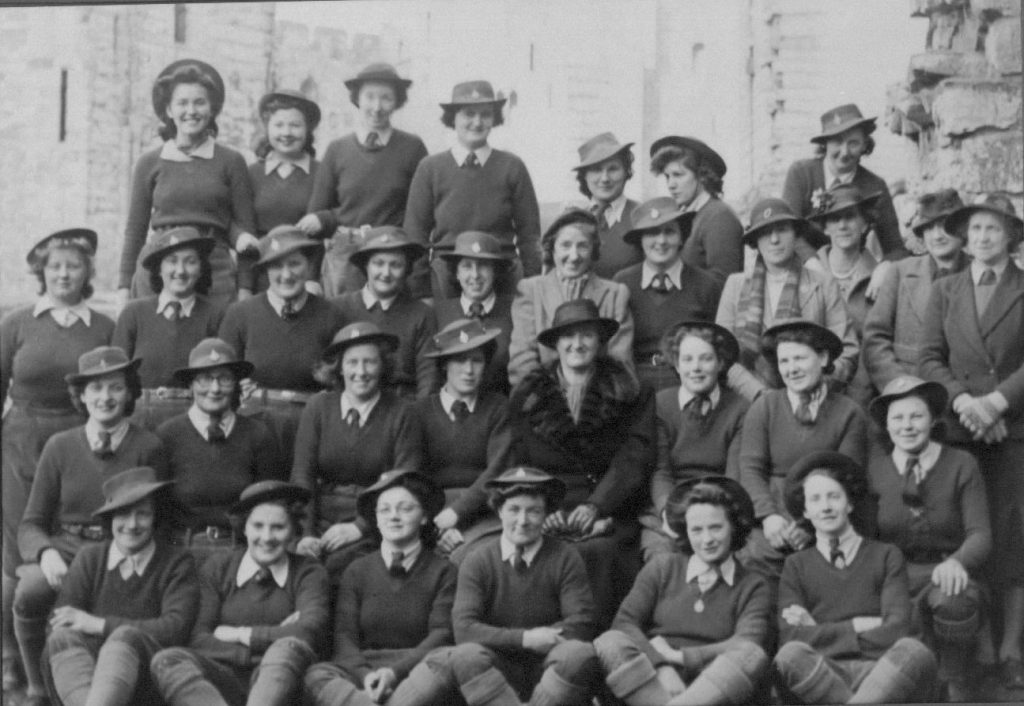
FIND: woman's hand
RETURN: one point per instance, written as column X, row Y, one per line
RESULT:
column 446, row 519
column 244, row 293
column 309, row 546
column 542, row 640
column 877, row 277
column 246, row 242
column 670, row 680
column 249, row 387
column 555, row 522
column 775, row 527
column 672, row 655
column 450, row 540
column 582, row 517
column 797, row 615
column 231, row 633
column 863, row 623
column 797, row 537
column 75, row 619
column 291, row 619
column 54, row 569
column 950, row 576
column 314, row 288
column 337, row 536
column 379, row 684
column 310, row 224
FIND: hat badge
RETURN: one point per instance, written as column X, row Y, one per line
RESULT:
column 463, row 337
column 520, row 473
column 354, row 334
column 173, row 240
column 475, row 247
column 386, row 238
column 103, row 364
column 655, row 213
column 214, row 356
column 275, row 245
column 475, row 94
column 767, row 213
column 837, row 120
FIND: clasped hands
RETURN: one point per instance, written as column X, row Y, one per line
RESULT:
column 982, row 415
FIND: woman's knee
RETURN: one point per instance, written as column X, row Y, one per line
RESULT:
column 33, row 596
column 173, row 661
column 63, row 639
column 614, row 647
column 796, row 658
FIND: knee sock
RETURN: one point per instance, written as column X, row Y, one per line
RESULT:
column 72, row 670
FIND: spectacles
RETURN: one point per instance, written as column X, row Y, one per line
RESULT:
column 204, row 381
column 404, row 509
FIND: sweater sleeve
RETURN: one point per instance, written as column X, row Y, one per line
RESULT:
column 754, row 458
column 347, row 635
column 934, row 363
column 305, row 467
column 213, row 576
column 522, row 348
column 740, row 379
column 43, row 504
column 310, row 603
column 267, row 455
column 232, row 329
column 77, row 589
column 880, row 334
column 839, row 322
column 895, row 602
column 8, row 347
column 723, row 242
column 439, row 624
column 620, row 345
column 577, row 601
column 526, row 215
column 637, row 608
column 472, row 594
column 831, row 639
column 887, row 226
column 178, row 604
column 796, row 190
column 419, row 209
column 751, row 626
column 977, row 544
column 426, row 368
column 663, row 481
column 126, row 331
column 139, row 210
column 499, row 441
column 243, row 208
column 630, row 469
column 323, row 197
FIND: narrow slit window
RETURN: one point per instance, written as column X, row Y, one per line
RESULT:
column 180, row 10
column 63, row 105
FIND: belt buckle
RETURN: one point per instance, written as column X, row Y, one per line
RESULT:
column 287, row 395
column 215, row 533
column 91, row 533
column 657, row 359
column 75, row 529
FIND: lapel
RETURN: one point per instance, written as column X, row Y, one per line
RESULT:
column 809, row 286
column 916, row 282
column 963, row 314
column 595, row 290
column 1009, row 289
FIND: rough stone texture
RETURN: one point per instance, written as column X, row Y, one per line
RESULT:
column 931, row 67
column 1007, row 8
column 963, row 106
column 923, row 8
column 1003, row 45
column 990, row 161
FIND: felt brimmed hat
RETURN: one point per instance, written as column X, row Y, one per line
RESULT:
column 99, row 362
column 160, row 97
column 733, row 487
column 840, row 119
column 213, row 353
column 460, row 336
column 598, row 149
column 768, row 212
column 573, row 214
column 129, row 487
column 474, row 244
column 725, row 345
column 357, row 333
column 83, row 238
column 268, row 491
column 852, row 475
column 935, row 207
column 473, row 93
column 575, row 313
column 822, row 337
column 433, row 500
column 173, row 239
column 282, row 241
column 706, row 154
column 379, row 72
column 308, row 107
column 842, row 197
column 382, row 239
column 933, row 393
column 997, row 204
column 552, row 488
column 657, row 212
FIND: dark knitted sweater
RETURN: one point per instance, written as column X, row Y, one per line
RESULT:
column 366, row 618
column 262, row 608
column 500, row 317
column 284, row 352
column 616, row 253
column 716, row 240
column 280, row 201
column 209, row 477
column 36, row 353
column 161, row 603
column 495, row 604
column 163, row 345
column 874, row 584
column 355, row 186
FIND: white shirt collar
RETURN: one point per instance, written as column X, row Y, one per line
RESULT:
column 448, row 399
column 696, row 567
column 978, row 268
column 508, row 550
column 364, row 408
column 273, row 162
column 675, row 274
column 816, row 399
column 685, row 396
column 409, row 556
column 383, row 136
column 459, row 152
column 277, row 302
column 831, row 177
column 117, row 434
column 61, row 312
column 927, row 458
column 248, row 567
column 171, row 152
column 488, row 303
column 849, row 544
column 698, row 202
column 613, row 214
column 166, row 298
column 140, row 560
column 201, row 421
column 369, row 299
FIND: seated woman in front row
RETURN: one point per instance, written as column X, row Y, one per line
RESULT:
column 844, row 607
column 122, row 600
column 694, row 628
column 262, row 613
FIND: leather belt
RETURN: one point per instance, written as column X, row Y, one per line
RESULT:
column 166, row 393
column 282, row 396
column 94, row 533
column 654, row 359
column 926, row 556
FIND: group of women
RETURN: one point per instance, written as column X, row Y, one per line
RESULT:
column 286, row 430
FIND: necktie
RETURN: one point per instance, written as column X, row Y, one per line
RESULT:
column 288, row 311
column 460, row 410
column 519, row 560
column 942, row 272
column 911, row 479
column 395, row 568
column 835, row 554
column 172, row 312
column 352, row 417
column 263, row 576
column 661, row 283
column 105, row 448
column 599, row 209
column 803, row 409
column 697, row 407
column 984, row 290
column 214, row 432
column 373, row 142
column 471, row 161
column 476, row 310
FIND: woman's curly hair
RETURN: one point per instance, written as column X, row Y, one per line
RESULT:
column 275, row 104
column 683, row 497
column 673, row 338
column 710, row 179
column 188, row 74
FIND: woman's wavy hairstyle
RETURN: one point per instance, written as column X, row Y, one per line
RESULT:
column 682, row 498
column 805, row 337
column 673, row 338
column 421, row 491
column 327, row 371
column 132, row 381
column 203, row 284
column 275, row 104
column 189, row 73
column 586, row 222
column 41, row 256
column 296, row 514
column 448, row 115
column 401, row 92
column 710, row 179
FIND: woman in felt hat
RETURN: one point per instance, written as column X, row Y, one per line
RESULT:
column 782, row 426
column 122, row 601
column 465, row 433
column 571, row 247
column 699, row 420
column 932, row 505
column 213, row 453
column 845, row 139
column 694, row 628
column 365, row 175
column 67, row 489
column 472, row 186
column 844, row 608
column 478, row 265
column 974, row 348
column 375, row 646
column 386, row 261
column 348, row 436
column 190, row 180
column 281, row 332
column 39, row 344
column 894, row 327
column 693, row 174
column 263, row 612
column 163, row 328
column 780, row 288
column 604, row 168
column 587, row 420
column 662, row 289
